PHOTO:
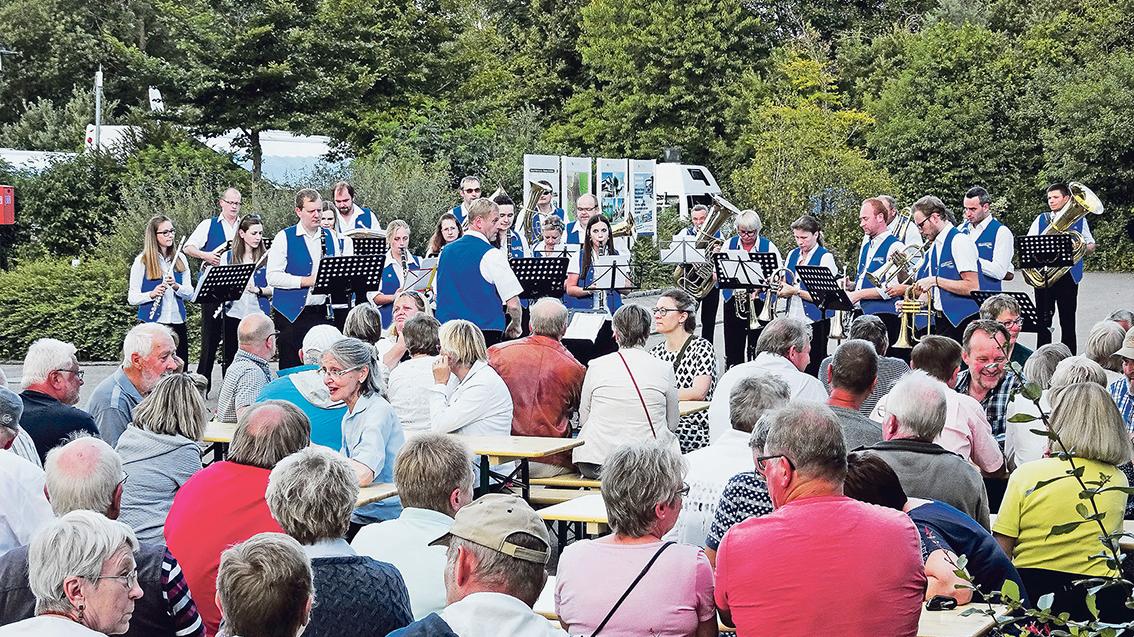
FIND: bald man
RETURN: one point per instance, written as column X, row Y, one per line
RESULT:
column 249, row 372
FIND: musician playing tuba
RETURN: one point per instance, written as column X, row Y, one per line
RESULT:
column 739, row 340
column 711, row 301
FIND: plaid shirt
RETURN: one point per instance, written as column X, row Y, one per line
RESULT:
column 1124, row 399
column 996, row 402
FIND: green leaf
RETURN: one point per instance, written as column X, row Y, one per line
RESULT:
column 1046, row 433
column 1044, row 483
column 1044, row 603
column 1093, row 606
column 1064, row 529
column 1010, row 591
column 1082, row 509
column 1021, row 417
column 1031, row 391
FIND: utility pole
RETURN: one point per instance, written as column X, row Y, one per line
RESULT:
column 5, row 51
column 98, row 108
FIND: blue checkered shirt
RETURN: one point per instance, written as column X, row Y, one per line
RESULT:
column 996, row 402
column 1124, row 399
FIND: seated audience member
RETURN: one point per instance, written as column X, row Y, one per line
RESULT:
column 23, row 508
column 1122, row 390
column 1124, row 318
column 392, row 347
column 853, row 374
column 148, row 353
column 783, row 350
column 51, row 383
column 915, row 417
column 408, row 384
column 372, row 434
column 967, row 432
column 870, row 328
column 744, row 496
column 22, row 445
column 642, row 490
column 498, row 549
column 627, row 396
column 81, row 570
column 86, row 475
column 265, row 587
column 711, row 467
column 1104, row 340
column 1088, row 425
column 481, row 404
column 987, row 379
column 1005, row 310
column 303, row 387
column 249, row 372
column 434, row 479
column 820, row 563
column 1020, row 444
column 364, row 322
column 693, row 358
column 159, row 451
column 233, row 492
column 311, row 494
column 545, row 381
column 945, row 532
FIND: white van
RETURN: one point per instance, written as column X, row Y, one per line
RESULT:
column 684, row 186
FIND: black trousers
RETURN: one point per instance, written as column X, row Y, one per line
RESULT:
column 708, row 314
column 182, row 339
column 212, row 331
column 1073, row 599
column 820, row 334
column 291, row 334
column 1063, row 295
column 230, row 345
column 739, row 341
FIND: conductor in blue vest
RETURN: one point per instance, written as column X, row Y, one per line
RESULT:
column 994, row 242
column 949, row 271
column 293, row 262
column 474, row 280
column 1063, row 294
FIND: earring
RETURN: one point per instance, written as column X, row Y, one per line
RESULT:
column 81, row 609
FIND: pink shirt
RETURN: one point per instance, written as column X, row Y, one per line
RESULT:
column 825, row 565
column 968, row 434
column 671, row 600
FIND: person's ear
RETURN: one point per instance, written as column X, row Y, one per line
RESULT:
column 115, row 504
column 455, row 500
column 72, row 589
column 889, row 427
column 463, row 570
column 830, row 373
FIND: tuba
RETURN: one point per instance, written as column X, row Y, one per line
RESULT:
column 625, row 228
column 698, row 278
column 1083, row 202
column 525, row 221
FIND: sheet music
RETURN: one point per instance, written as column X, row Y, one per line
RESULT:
column 683, row 249
column 751, row 272
column 421, row 279
column 585, row 326
column 612, row 268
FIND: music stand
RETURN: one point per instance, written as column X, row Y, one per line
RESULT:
column 369, row 245
column 612, row 272
column 223, row 284
column 1042, row 251
column 343, row 276
column 739, row 273
column 1028, row 310
column 684, row 251
column 825, row 291
column 540, row 276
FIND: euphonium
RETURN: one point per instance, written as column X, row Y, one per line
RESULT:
column 698, row 278
column 772, row 304
column 625, row 228
column 897, row 268
column 525, row 221
column 1083, row 202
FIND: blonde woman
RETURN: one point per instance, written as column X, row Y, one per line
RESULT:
column 399, row 262
column 156, row 279
column 392, row 347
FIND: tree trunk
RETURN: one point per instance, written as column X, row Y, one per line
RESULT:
column 257, row 153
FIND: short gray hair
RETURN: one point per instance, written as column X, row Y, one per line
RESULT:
column 82, row 475
column 854, row 366
column 353, row 353
column 549, row 318
column 501, row 572
column 1089, row 424
column 311, row 493
column 783, row 334
column 1041, row 364
column 77, row 544
column 46, row 355
column 1104, row 340
column 996, row 305
column 174, row 408
column 635, row 478
column 364, row 322
column 631, row 325
column 429, row 467
column 811, row 436
column 421, row 335
column 254, row 328
column 917, row 401
column 1077, row 369
column 755, row 396
column 749, row 220
column 140, row 340
column 263, row 585
column 268, row 432
column 870, row 328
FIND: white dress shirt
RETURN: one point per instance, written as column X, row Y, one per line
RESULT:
column 25, row 507
column 487, row 614
column 277, row 260
column 479, row 406
column 408, row 391
column 345, row 224
column 494, row 269
column 48, row 626
column 1087, row 236
column 964, row 255
column 803, row 387
column 167, row 312
column 709, row 470
column 1003, row 248
column 1020, row 444
column 200, row 234
column 404, row 542
column 875, row 242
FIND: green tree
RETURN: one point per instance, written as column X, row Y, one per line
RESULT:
column 46, row 125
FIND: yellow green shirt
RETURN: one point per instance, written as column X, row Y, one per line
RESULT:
column 1029, row 517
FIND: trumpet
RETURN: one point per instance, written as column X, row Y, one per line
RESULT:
column 772, row 305
column 910, row 309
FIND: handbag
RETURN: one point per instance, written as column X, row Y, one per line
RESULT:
column 640, row 398
column 631, row 587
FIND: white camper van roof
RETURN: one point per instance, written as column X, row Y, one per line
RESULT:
column 684, row 179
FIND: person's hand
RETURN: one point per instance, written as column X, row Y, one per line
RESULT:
column 926, row 283
column 158, row 291
column 787, row 291
column 896, row 290
column 441, row 370
column 170, row 282
column 513, row 329
column 307, row 281
column 213, row 258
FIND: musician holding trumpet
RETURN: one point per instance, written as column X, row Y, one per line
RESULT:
column 157, row 281
column 878, row 247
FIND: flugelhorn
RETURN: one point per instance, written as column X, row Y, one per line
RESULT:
column 897, row 268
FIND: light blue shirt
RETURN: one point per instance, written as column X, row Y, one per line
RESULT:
column 112, row 404
column 404, row 542
column 372, row 435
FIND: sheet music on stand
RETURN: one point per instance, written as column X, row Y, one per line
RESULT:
column 540, row 276
column 739, row 270
column 612, row 272
column 1044, row 251
column 364, row 245
column 683, row 250
column 1028, row 310
column 346, row 275
column 421, row 279
column 223, row 283
column 825, row 291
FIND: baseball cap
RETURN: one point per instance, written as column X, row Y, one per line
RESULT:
column 491, row 518
column 1127, row 350
column 321, row 338
column 11, row 408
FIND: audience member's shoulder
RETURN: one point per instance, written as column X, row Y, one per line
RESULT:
column 429, row 626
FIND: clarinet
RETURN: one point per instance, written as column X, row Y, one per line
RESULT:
column 600, row 297
column 322, row 255
column 156, row 305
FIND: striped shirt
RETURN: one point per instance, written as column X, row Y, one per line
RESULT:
column 182, row 608
column 1124, row 399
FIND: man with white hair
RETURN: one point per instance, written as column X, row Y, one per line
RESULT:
column 915, row 416
column 148, row 353
column 51, row 382
column 86, row 475
column 303, row 387
column 23, row 509
column 249, row 372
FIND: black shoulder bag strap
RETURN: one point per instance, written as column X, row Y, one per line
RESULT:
column 681, row 353
column 632, row 586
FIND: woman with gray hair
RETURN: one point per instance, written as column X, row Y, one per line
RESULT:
column 1020, row 444
column 82, row 572
column 159, row 451
column 627, row 396
column 311, row 494
column 481, row 404
column 693, row 358
column 672, row 583
column 1104, row 340
column 371, row 432
column 407, row 386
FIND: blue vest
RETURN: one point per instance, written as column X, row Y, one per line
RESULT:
column 459, row 214
column 364, row 220
column 390, row 284
column 985, row 244
column 571, row 234
column 762, row 245
column 515, row 245
column 692, row 232
column 875, row 306
column 613, row 297
column 809, row 308
column 536, row 224
column 1077, row 269
column 216, row 235
column 462, row 293
column 955, row 307
column 290, row 303
column 259, row 279
column 150, row 284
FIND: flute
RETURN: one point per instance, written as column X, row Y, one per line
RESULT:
column 173, row 264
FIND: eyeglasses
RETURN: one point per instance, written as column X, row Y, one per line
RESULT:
column 747, row 233
column 684, row 490
column 233, row 203
column 337, row 373
column 77, row 372
column 587, row 208
column 1016, row 322
column 169, row 232
column 921, row 223
column 125, row 476
column 472, row 190
column 664, row 311
column 128, row 581
column 762, row 467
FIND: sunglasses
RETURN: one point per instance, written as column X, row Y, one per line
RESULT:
column 472, row 190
